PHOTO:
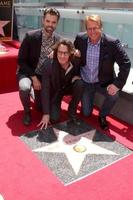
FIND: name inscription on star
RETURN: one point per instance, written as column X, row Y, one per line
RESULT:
column 5, row 3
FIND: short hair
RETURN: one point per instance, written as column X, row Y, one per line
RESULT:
column 94, row 18
column 51, row 11
column 66, row 43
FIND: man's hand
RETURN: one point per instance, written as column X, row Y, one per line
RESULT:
column 36, row 83
column 77, row 53
column 112, row 89
column 44, row 121
column 75, row 78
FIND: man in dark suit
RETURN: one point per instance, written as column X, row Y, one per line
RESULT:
column 61, row 77
column 35, row 47
column 99, row 52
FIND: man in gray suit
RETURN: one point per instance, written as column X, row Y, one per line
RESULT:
column 35, row 48
column 99, row 52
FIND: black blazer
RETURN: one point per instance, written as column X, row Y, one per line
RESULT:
column 51, row 83
column 111, row 51
column 29, row 52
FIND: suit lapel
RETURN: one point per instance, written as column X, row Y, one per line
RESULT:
column 39, row 42
column 85, row 47
column 103, row 50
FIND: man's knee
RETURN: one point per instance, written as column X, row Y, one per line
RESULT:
column 25, row 84
column 79, row 83
column 78, row 86
column 113, row 98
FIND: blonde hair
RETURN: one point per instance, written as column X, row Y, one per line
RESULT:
column 94, row 18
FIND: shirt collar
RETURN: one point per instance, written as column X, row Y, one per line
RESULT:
column 69, row 69
column 98, row 43
column 45, row 37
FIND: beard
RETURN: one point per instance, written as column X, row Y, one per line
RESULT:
column 49, row 29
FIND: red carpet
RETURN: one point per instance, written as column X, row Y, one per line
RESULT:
column 24, row 177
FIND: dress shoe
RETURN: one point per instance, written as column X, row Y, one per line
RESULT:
column 74, row 121
column 103, row 123
column 27, row 119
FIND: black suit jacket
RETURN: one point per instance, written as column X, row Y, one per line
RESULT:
column 29, row 52
column 51, row 83
column 111, row 51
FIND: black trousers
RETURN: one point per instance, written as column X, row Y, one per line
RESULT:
column 75, row 90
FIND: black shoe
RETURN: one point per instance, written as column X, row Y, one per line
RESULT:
column 103, row 123
column 74, row 121
column 27, row 119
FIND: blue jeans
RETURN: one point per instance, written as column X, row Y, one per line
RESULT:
column 87, row 100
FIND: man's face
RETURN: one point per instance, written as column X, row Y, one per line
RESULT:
column 94, row 31
column 50, row 23
column 63, row 55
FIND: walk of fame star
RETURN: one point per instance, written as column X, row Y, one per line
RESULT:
column 75, row 158
column 73, row 153
column 1, row 198
column 2, row 24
